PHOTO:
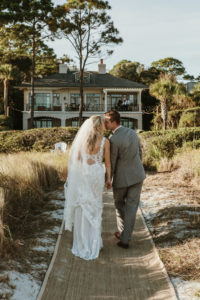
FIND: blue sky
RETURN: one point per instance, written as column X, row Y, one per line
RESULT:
column 152, row 29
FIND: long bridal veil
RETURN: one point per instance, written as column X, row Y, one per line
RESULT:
column 78, row 170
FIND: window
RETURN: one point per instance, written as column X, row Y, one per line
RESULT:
column 43, row 123
column 113, row 100
column 75, row 123
column 93, row 102
column 56, row 99
column 117, row 101
column 41, row 100
column 133, row 99
column 129, row 123
column 75, row 99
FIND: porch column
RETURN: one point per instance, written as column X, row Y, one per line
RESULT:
column 139, row 100
column 51, row 95
column 140, row 122
column 26, row 108
column 105, row 92
column 63, row 102
column 85, row 98
column 63, row 122
column 25, row 123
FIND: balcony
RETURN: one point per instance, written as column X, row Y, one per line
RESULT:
column 86, row 107
column 43, row 108
column 124, row 108
column 101, row 107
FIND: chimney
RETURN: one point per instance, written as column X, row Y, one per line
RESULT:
column 63, row 68
column 102, row 67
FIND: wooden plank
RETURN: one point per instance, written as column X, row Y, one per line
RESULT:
column 118, row 274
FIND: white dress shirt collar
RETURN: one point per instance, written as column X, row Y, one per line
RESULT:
column 116, row 129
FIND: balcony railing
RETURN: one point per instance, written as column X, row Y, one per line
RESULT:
column 89, row 108
column 44, row 108
column 101, row 107
column 124, row 108
column 86, row 107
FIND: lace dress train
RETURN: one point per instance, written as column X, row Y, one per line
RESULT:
column 84, row 212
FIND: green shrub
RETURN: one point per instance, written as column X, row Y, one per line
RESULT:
column 172, row 122
column 195, row 144
column 42, row 139
column 182, row 133
column 179, row 118
column 157, row 122
column 6, row 123
column 160, row 144
column 190, row 118
column 1, row 106
column 174, row 118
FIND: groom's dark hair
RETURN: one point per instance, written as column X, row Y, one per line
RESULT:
column 113, row 115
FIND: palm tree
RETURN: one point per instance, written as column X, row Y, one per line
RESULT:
column 7, row 73
column 164, row 89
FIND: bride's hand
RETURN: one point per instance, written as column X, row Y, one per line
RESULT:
column 108, row 184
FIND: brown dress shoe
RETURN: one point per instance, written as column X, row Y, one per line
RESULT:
column 123, row 245
column 117, row 235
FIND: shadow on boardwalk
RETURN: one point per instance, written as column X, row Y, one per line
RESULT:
column 118, row 274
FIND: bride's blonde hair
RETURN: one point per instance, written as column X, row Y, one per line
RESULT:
column 97, row 131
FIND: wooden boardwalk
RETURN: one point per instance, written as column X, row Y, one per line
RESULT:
column 118, row 274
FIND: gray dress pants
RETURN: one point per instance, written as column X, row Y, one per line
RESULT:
column 126, row 203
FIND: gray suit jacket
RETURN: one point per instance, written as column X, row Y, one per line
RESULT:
column 126, row 164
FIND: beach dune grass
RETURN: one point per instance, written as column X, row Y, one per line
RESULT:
column 24, row 179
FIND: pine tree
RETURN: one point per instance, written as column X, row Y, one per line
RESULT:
column 89, row 29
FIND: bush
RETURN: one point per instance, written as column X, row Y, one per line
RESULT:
column 160, row 144
column 172, row 122
column 157, row 122
column 179, row 118
column 1, row 106
column 41, row 140
column 190, row 118
column 195, row 144
column 6, row 123
column 174, row 118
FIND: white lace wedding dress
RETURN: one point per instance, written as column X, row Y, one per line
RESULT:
column 83, row 205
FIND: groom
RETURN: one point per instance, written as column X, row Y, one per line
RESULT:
column 128, row 175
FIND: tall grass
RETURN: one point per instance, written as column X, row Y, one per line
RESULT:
column 187, row 166
column 24, row 178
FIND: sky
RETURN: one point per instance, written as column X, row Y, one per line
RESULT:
column 151, row 30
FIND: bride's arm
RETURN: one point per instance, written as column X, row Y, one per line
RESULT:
column 107, row 163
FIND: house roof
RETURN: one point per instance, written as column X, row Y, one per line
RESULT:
column 97, row 80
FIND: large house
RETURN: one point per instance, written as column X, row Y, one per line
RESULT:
column 57, row 98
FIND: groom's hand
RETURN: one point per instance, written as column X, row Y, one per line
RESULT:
column 108, row 184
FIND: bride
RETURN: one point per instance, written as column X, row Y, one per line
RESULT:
column 84, row 187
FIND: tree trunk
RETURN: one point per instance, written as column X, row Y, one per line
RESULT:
column 157, row 110
column 81, row 95
column 164, row 113
column 33, row 81
column 5, row 98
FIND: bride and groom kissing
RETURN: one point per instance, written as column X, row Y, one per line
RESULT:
column 85, row 182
